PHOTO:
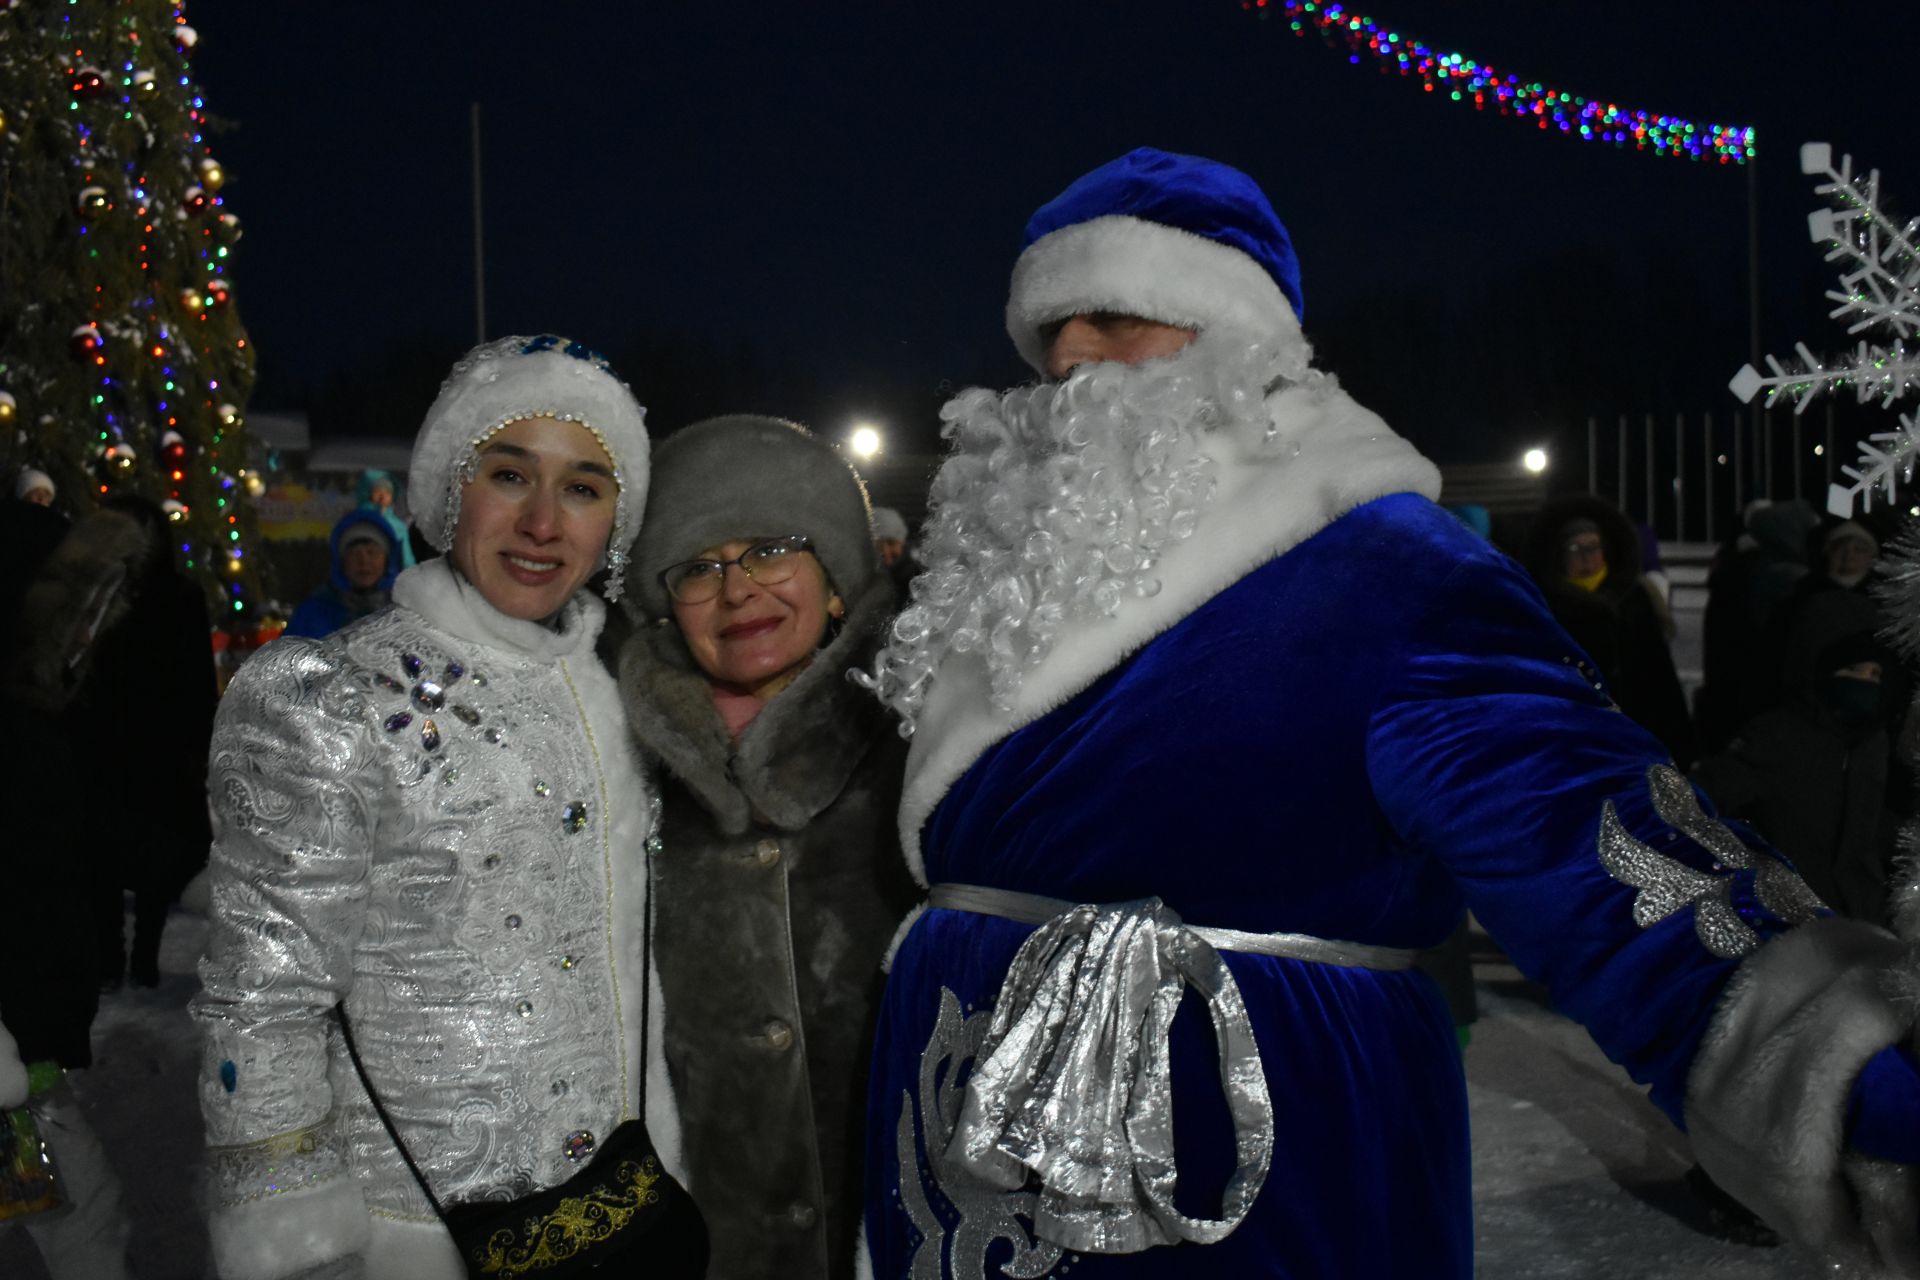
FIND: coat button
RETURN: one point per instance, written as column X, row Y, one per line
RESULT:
column 767, row 852
column 778, row 1034
column 801, row 1215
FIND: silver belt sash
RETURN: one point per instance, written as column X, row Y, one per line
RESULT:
column 1071, row 1085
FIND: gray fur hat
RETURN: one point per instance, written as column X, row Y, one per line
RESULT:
column 512, row 379
column 747, row 476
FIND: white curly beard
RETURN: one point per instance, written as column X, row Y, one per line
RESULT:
column 1057, row 502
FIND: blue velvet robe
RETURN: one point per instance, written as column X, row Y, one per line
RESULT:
column 1353, row 741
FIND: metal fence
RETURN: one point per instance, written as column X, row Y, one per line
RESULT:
column 1689, row 476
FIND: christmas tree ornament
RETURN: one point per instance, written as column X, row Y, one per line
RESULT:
column 9, row 410
column 228, row 414
column 86, row 82
column 1879, row 276
column 87, row 343
column 3, row 121
column 185, row 38
column 106, row 93
column 218, row 291
column 175, row 510
column 232, row 223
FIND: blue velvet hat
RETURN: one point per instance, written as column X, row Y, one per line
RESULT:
column 1178, row 239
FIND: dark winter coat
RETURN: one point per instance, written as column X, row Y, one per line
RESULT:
column 60, row 588
column 779, row 886
column 153, row 673
column 1817, row 792
column 1618, row 623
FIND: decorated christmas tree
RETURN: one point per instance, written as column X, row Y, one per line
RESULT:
column 124, row 368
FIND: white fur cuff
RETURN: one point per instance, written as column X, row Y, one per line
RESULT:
column 285, row 1234
column 1145, row 269
column 1767, row 1093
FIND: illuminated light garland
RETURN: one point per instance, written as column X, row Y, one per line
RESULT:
column 1463, row 79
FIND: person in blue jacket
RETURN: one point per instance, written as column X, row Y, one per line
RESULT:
column 1217, row 719
column 365, row 558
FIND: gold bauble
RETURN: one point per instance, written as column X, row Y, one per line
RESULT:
column 9, row 411
column 3, row 119
column 212, row 176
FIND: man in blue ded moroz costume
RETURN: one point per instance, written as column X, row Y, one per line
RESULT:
column 1217, row 719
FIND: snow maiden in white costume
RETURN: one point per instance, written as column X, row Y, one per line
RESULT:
column 434, row 816
column 1218, row 720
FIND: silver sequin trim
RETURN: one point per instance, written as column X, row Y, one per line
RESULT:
column 1666, row 885
column 984, row 1214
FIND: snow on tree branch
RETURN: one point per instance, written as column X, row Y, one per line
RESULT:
column 1879, row 274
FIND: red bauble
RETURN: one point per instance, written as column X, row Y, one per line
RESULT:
column 87, row 342
column 86, row 82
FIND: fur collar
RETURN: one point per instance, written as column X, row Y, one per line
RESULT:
column 1331, row 456
column 437, row 593
column 797, row 755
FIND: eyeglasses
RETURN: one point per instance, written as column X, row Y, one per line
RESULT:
column 768, row 563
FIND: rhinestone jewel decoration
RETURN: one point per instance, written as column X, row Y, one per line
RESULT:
column 454, row 672
column 398, row 721
column 429, row 696
column 573, row 816
column 412, row 665
column 467, row 714
column 430, row 735
column 480, row 678
column 513, row 922
column 567, row 962
column 388, row 683
column 580, row 1144
column 524, row 1008
column 494, row 735
column 541, row 789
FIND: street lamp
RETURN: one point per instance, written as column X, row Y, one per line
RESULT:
column 1534, row 460
column 865, row 441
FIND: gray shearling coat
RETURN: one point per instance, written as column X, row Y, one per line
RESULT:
column 780, row 884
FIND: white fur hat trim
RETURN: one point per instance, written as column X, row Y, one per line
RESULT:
column 1146, row 269
column 501, row 382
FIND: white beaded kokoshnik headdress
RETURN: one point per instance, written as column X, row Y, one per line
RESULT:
column 513, row 379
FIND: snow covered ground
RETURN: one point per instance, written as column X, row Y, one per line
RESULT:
column 1576, row 1176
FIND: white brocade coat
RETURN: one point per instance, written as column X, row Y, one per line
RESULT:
column 434, row 816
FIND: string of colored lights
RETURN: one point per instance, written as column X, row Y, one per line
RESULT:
column 1464, row 79
column 163, row 357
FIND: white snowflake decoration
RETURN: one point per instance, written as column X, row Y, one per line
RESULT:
column 1879, row 290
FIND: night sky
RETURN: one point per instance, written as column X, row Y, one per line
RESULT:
column 819, row 206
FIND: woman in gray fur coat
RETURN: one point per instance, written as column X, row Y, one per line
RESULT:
column 780, row 880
